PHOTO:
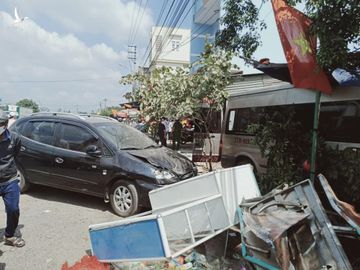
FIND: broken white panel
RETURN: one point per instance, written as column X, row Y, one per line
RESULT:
column 183, row 192
column 236, row 184
column 162, row 236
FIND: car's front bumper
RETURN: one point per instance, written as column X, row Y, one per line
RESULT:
column 144, row 187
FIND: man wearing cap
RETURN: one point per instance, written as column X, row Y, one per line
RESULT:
column 9, row 187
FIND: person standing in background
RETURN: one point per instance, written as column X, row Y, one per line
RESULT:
column 162, row 132
column 9, row 188
column 177, row 127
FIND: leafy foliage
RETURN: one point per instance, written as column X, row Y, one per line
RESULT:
column 241, row 27
column 129, row 96
column 108, row 111
column 175, row 92
column 28, row 103
column 282, row 141
column 343, row 169
column 335, row 22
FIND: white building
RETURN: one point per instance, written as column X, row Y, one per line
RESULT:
column 170, row 47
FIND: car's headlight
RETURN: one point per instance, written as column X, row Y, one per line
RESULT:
column 164, row 177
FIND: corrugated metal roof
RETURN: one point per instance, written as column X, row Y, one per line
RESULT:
column 247, row 84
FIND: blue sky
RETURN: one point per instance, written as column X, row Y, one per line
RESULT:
column 70, row 55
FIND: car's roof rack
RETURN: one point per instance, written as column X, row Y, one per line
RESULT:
column 56, row 114
column 97, row 115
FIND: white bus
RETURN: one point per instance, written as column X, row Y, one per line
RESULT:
column 253, row 95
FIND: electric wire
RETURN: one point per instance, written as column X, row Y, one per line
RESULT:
column 186, row 15
column 171, row 18
column 174, row 26
column 167, row 15
column 192, row 37
column 132, row 22
column 176, row 17
column 139, row 22
column 157, row 22
column 185, row 42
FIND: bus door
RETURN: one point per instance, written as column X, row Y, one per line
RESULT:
column 201, row 144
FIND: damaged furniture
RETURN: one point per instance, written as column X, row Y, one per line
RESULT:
column 288, row 229
column 184, row 215
column 343, row 209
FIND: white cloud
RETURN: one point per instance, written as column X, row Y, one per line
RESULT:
column 66, row 67
column 95, row 18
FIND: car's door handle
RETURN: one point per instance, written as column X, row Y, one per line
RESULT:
column 59, row 160
column 22, row 148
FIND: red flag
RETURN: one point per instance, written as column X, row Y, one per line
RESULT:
column 299, row 48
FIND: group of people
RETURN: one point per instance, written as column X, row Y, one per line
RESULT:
column 170, row 130
column 10, row 145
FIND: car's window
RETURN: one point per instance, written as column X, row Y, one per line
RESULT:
column 125, row 137
column 75, row 138
column 40, row 131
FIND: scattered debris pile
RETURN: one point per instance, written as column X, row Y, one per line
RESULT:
column 219, row 220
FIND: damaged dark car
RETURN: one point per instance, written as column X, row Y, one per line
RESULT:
column 97, row 156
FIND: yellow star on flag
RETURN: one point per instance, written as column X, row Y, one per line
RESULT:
column 304, row 44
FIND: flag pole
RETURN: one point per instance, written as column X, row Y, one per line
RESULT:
column 315, row 135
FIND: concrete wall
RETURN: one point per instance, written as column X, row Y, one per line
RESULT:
column 205, row 24
column 170, row 48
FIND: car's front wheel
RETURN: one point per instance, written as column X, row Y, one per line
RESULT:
column 124, row 198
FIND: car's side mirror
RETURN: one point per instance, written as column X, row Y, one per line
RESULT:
column 93, row 151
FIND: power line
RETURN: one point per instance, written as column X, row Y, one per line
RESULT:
column 167, row 15
column 157, row 22
column 176, row 17
column 186, row 41
column 187, row 13
column 132, row 21
column 139, row 22
column 162, row 26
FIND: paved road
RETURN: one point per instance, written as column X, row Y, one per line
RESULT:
column 54, row 224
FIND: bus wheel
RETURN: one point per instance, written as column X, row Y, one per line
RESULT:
column 245, row 161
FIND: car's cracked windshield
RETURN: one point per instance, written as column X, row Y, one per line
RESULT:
column 125, row 137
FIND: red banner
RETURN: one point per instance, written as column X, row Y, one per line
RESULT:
column 299, row 48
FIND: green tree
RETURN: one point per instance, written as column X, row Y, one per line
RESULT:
column 284, row 143
column 335, row 22
column 129, row 96
column 108, row 111
column 28, row 103
column 282, row 140
column 177, row 92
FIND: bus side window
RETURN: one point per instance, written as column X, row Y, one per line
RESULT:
column 239, row 120
column 339, row 121
column 231, row 120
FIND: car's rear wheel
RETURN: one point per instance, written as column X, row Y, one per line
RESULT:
column 124, row 199
column 23, row 183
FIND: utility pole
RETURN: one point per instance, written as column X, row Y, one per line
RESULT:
column 132, row 58
column 132, row 54
column 105, row 103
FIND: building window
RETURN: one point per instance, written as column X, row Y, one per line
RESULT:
column 158, row 42
column 175, row 45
